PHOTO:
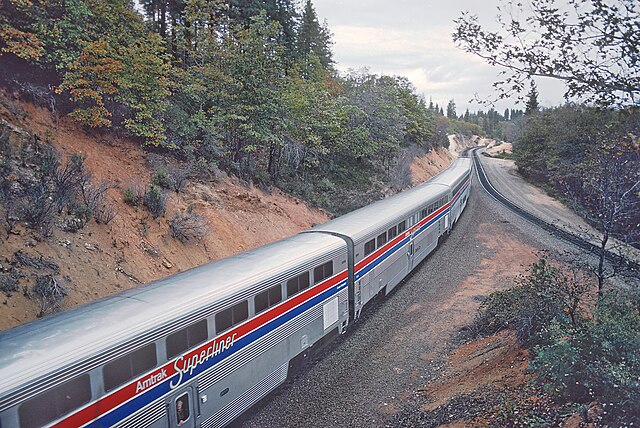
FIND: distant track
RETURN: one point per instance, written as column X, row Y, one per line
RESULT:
column 554, row 230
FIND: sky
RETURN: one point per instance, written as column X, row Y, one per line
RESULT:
column 412, row 38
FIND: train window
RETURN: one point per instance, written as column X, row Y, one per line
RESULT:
column 424, row 213
column 322, row 272
column 129, row 366
column 232, row 316
column 297, row 284
column 402, row 226
column 187, row 338
column 393, row 232
column 369, row 247
column 268, row 298
column 55, row 403
column 182, row 409
column 382, row 239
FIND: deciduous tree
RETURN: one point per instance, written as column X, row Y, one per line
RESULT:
column 590, row 45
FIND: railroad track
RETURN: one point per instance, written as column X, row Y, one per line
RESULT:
column 560, row 233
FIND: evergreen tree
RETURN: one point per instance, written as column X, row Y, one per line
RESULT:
column 451, row 110
column 532, row 100
column 313, row 38
column 506, row 114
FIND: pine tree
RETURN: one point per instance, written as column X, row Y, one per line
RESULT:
column 506, row 114
column 313, row 38
column 532, row 100
column 451, row 110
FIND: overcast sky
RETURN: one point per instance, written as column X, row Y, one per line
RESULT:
column 412, row 38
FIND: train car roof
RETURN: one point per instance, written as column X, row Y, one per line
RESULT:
column 360, row 223
column 30, row 351
column 450, row 175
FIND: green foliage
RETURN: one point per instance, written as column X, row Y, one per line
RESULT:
column 161, row 178
column 527, row 308
column 155, row 201
column 91, row 80
column 591, row 157
column 144, row 88
column 598, row 361
column 129, row 197
column 314, row 39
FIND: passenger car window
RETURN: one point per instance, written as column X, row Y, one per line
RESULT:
column 182, row 409
column 55, row 403
column 186, row 338
column 393, row 232
column 268, row 298
column 382, row 239
column 129, row 366
column 232, row 316
column 322, row 272
column 402, row 226
column 369, row 247
column 297, row 284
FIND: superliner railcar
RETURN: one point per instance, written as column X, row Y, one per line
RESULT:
column 198, row 348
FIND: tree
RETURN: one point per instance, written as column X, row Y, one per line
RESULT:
column 451, row 110
column 313, row 38
column 609, row 196
column 590, row 45
column 506, row 114
column 91, row 80
column 532, row 106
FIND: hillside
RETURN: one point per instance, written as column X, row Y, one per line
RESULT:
column 102, row 259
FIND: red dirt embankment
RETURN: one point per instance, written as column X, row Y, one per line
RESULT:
column 134, row 248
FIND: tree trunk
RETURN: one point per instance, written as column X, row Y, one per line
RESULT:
column 602, row 256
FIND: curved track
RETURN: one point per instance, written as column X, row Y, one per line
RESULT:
column 554, row 230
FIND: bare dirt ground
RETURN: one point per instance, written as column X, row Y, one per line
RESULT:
column 495, row 147
column 426, row 166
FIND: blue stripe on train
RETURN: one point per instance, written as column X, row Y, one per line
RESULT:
column 146, row 398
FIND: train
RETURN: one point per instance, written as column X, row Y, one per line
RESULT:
column 199, row 348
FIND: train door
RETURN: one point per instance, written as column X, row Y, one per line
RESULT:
column 410, row 256
column 182, row 409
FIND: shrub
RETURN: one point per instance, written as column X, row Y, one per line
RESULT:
column 180, row 176
column 69, row 181
column 598, row 361
column 187, row 225
column 527, row 308
column 155, row 201
column 162, row 178
column 105, row 212
column 49, row 293
column 35, row 208
column 133, row 194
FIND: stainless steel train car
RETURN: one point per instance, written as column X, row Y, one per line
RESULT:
column 199, row 348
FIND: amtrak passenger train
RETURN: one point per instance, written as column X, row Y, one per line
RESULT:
column 200, row 347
